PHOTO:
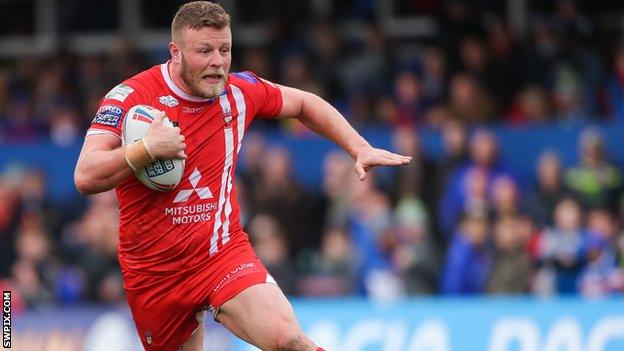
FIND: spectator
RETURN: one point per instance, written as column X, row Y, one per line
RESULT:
column 272, row 249
column 434, row 76
column 595, row 182
column 465, row 188
column 615, row 86
column 561, row 248
column 468, row 260
column 332, row 271
column 548, row 190
column 469, row 101
column 505, row 197
column 410, row 101
column 454, row 136
column 531, row 105
column 369, row 222
column 280, row 195
column 511, row 272
column 414, row 180
column 414, row 256
column 600, row 276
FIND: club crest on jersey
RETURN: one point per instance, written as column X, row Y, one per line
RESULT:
column 168, row 101
column 227, row 117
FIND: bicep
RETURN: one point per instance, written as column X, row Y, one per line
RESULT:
column 292, row 101
column 98, row 142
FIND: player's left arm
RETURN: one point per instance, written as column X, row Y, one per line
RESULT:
column 321, row 117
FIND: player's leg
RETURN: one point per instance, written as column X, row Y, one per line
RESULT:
column 262, row 316
column 195, row 342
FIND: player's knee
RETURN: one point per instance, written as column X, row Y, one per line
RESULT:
column 290, row 341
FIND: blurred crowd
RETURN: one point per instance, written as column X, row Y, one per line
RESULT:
column 461, row 224
column 565, row 68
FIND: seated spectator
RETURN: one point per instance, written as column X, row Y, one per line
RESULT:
column 531, row 105
column 600, row 275
column 595, row 182
column 469, row 101
column 413, row 255
column 511, row 272
column 561, row 249
column 548, row 189
column 615, row 86
column 464, row 188
column 332, row 268
column 468, row 260
column 272, row 250
column 505, row 197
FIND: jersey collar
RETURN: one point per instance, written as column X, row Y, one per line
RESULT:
column 164, row 69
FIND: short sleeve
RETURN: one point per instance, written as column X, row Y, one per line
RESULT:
column 112, row 109
column 266, row 95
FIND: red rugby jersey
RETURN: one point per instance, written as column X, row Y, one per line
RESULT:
column 180, row 229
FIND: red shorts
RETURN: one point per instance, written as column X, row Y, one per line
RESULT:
column 164, row 307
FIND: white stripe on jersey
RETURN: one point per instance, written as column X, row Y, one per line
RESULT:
column 241, row 110
column 93, row 131
column 229, row 155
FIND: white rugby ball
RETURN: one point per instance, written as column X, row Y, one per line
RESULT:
column 161, row 175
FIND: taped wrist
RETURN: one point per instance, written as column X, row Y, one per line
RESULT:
column 137, row 154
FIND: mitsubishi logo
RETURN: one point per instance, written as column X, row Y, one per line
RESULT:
column 185, row 194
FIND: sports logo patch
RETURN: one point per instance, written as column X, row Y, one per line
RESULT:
column 108, row 115
column 246, row 76
column 168, row 101
column 142, row 116
column 119, row 93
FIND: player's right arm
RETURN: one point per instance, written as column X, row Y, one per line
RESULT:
column 103, row 164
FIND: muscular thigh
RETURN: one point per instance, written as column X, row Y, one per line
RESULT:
column 261, row 315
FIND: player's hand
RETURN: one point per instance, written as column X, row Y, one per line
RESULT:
column 165, row 142
column 368, row 157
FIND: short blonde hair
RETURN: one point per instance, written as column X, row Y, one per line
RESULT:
column 197, row 15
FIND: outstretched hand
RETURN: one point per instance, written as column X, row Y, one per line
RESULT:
column 368, row 157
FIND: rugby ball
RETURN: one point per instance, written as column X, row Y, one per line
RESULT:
column 161, row 175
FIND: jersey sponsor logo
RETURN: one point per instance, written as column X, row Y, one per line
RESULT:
column 203, row 192
column 246, row 76
column 237, row 272
column 186, row 109
column 119, row 93
column 168, row 101
column 108, row 115
column 194, row 213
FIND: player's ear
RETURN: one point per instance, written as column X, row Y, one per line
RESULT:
column 174, row 50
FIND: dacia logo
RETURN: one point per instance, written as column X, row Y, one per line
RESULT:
column 168, row 101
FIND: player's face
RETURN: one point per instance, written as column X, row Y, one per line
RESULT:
column 205, row 60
